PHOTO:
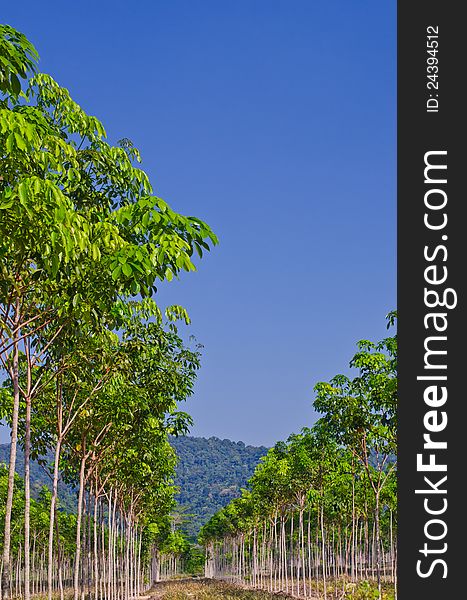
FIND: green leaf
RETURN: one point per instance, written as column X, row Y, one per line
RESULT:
column 55, row 264
column 7, row 203
column 23, row 192
column 15, row 84
column 10, row 142
column 127, row 270
column 20, row 141
column 116, row 272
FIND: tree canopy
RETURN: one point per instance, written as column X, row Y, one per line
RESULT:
column 95, row 369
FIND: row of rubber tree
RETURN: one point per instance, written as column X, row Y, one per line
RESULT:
column 92, row 369
column 319, row 513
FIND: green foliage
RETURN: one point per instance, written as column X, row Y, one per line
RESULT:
column 360, row 413
column 17, row 57
column 332, row 482
column 95, row 368
column 40, row 478
column 39, row 514
column 209, row 474
column 193, row 560
column 366, row 590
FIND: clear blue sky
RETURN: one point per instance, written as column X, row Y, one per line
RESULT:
column 274, row 121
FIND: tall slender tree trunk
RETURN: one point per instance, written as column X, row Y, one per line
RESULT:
column 103, row 578
column 11, row 471
column 138, row 564
column 127, row 557
column 109, row 547
column 284, row 556
column 53, row 502
column 274, row 554
column 353, row 547
column 156, row 566
column 291, row 553
column 76, row 577
column 378, row 543
column 309, row 541
column 255, row 558
column 96, row 549
column 59, row 557
column 27, row 478
column 27, row 500
column 323, row 550
column 34, row 564
column 301, row 543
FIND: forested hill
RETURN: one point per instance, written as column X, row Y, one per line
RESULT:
column 40, row 478
column 210, row 474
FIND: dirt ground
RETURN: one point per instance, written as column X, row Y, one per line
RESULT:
column 208, row 589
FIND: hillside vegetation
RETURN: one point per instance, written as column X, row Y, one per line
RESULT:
column 40, row 478
column 210, row 473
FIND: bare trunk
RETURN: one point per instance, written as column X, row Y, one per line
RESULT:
column 323, row 550
column 96, row 556
column 378, row 545
column 53, row 503
column 76, row 585
column 11, row 471
column 59, row 557
column 156, row 567
column 27, row 500
column 27, row 481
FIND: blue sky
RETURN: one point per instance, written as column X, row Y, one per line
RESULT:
column 275, row 122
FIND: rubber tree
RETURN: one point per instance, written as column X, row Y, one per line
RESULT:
column 80, row 230
column 360, row 413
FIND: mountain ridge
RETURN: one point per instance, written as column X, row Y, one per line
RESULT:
column 210, row 473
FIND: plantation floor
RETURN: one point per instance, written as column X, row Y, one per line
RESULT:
column 208, row 589
column 211, row 589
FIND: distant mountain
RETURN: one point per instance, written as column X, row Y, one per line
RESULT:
column 40, row 478
column 210, row 473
